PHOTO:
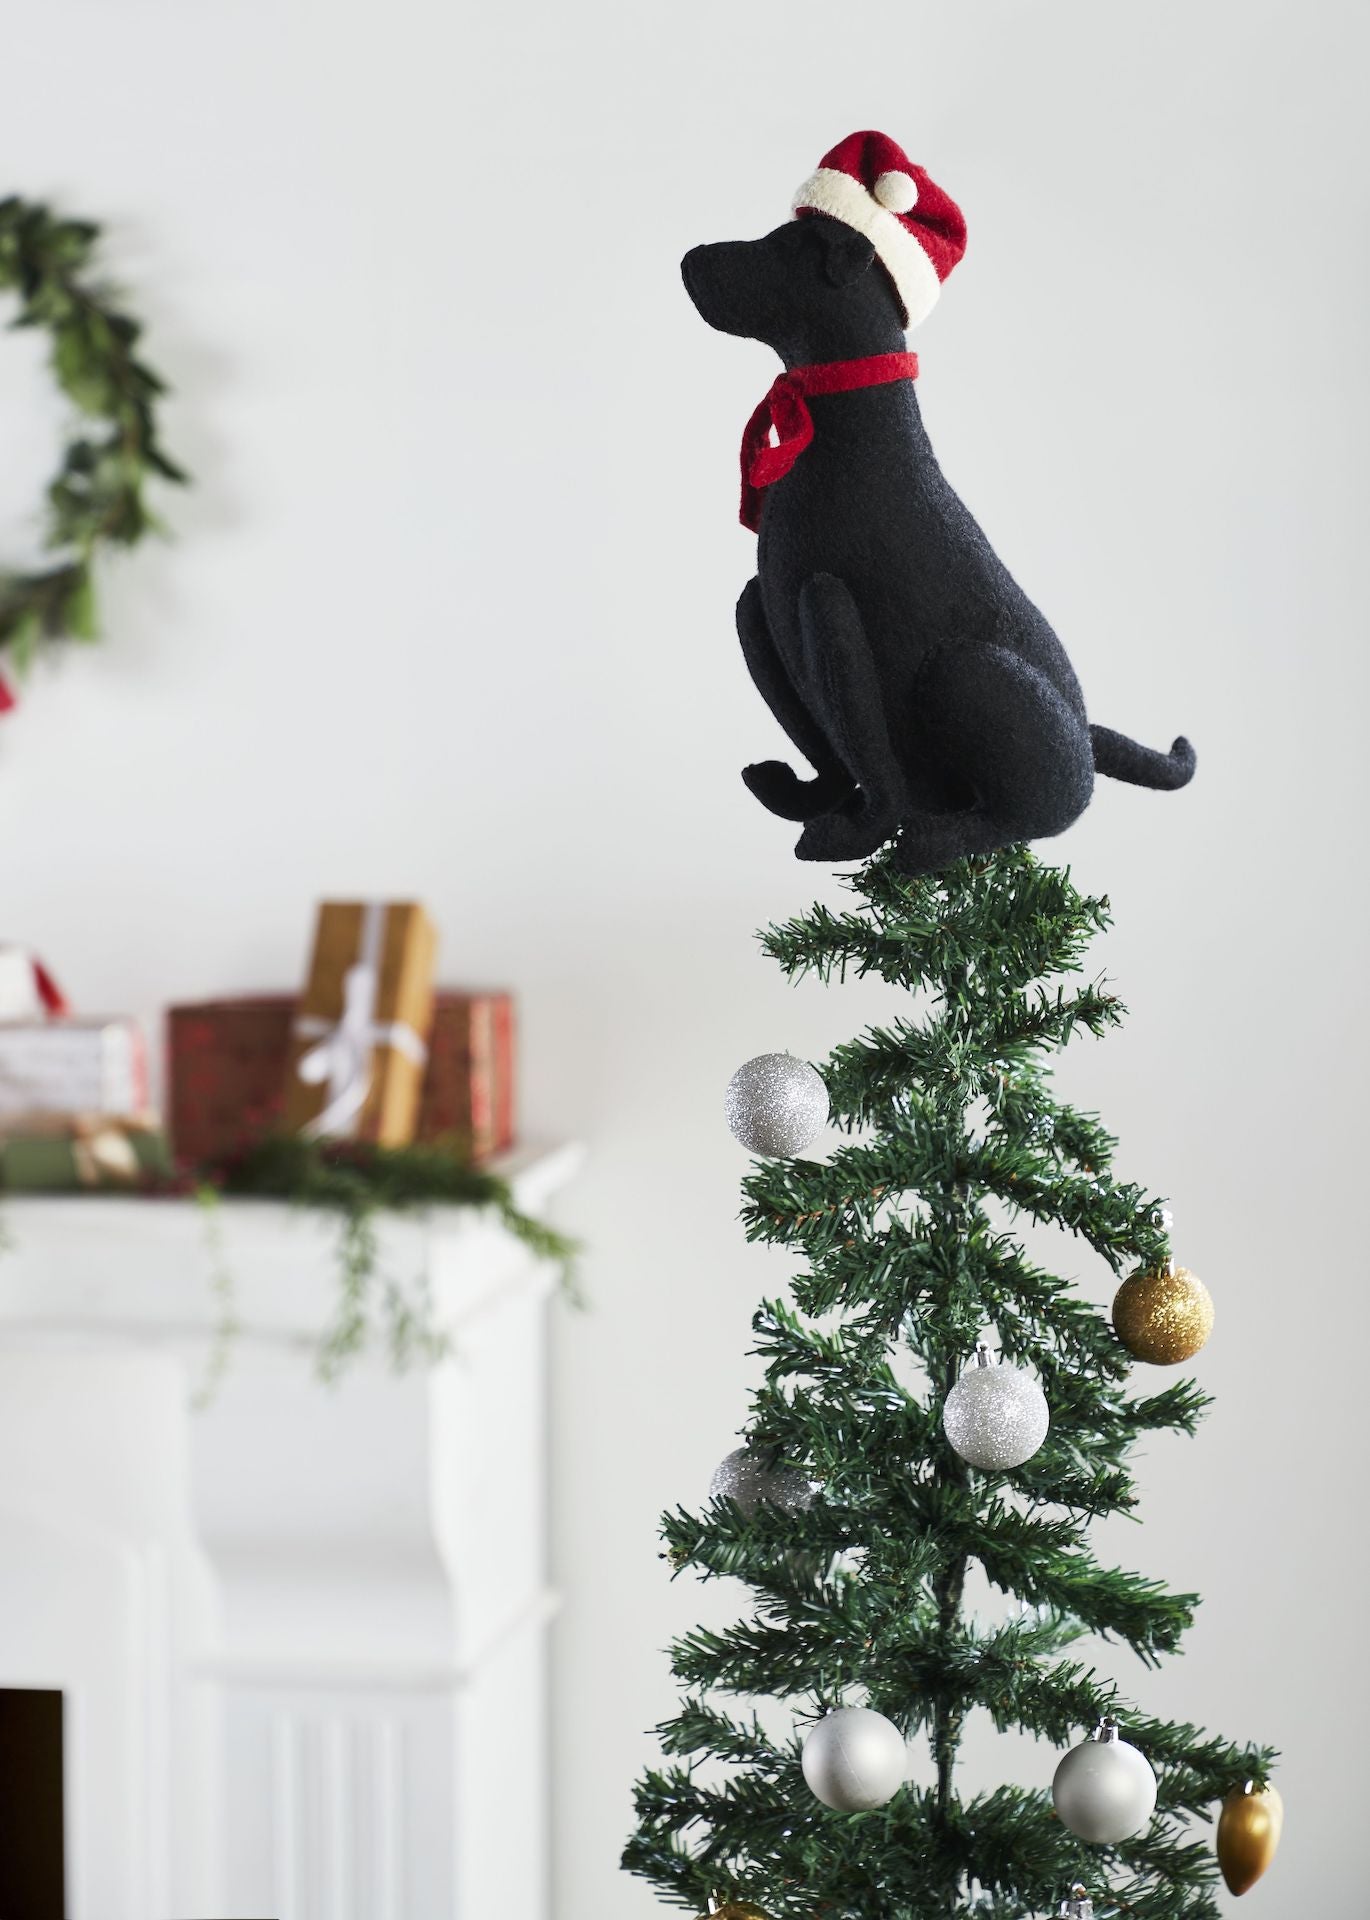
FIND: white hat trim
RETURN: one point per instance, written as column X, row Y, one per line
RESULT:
column 915, row 278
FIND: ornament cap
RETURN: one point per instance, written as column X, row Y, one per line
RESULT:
column 984, row 1356
column 1165, row 1220
column 1106, row 1733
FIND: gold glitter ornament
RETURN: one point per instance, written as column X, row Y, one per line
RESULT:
column 1248, row 1834
column 1163, row 1317
column 735, row 1910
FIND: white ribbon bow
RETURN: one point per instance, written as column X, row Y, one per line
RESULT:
column 340, row 1060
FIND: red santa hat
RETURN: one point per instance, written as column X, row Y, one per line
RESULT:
column 918, row 232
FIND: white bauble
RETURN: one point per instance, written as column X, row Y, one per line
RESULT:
column 1104, row 1789
column 776, row 1105
column 996, row 1416
column 747, row 1478
column 855, row 1759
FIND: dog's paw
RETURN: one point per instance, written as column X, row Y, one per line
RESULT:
column 845, row 834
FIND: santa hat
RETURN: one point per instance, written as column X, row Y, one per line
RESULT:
column 918, row 231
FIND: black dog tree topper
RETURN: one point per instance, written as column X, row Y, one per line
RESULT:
column 931, row 697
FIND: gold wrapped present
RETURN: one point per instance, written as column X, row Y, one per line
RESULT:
column 360, row 1039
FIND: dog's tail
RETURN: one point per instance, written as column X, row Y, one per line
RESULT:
column 1122, row 759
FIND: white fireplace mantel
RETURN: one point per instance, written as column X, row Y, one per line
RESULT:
column 299, row 1633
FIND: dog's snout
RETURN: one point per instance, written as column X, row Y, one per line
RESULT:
column 720, row 279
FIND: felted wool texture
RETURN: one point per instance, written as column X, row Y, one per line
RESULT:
column 930, row 696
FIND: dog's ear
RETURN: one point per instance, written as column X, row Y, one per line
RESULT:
column 847, row 254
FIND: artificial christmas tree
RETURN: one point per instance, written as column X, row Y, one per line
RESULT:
column 909, row 1258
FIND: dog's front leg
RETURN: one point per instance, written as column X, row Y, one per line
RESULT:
column 776, row 785
column 842, row 687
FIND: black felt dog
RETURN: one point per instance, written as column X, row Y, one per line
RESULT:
column 892, row 644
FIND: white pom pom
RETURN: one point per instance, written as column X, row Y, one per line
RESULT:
column 897, row 191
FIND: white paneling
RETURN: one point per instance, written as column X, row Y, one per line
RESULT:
column 300, row 1633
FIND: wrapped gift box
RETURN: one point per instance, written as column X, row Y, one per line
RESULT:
column 226, row 1062
column 82, row 1152
column 468, row 1091
column 72, row 1066
column 360, row 1042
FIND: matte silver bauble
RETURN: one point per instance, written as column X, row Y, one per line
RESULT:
column 776, row 1105
column 996, row 1416
column 1104, row 1789
column 855, row 1759
column 747, row 1478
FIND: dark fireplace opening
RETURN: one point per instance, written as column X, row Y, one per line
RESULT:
column 32, row 1853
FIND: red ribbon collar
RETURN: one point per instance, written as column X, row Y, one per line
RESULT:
column 785, row 408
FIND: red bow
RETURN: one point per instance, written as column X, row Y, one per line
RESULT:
column 785, row 409
column 55, row 1002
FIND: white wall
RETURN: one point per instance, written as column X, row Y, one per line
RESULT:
column 449, row 612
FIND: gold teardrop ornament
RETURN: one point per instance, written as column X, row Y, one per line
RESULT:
column 1248, row 1834
column 1163, row 1317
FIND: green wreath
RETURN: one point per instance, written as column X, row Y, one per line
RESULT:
column 97, row 498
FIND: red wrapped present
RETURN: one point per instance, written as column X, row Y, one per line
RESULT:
column 468, row 1089
column 225, row 1071
column 226, row 1064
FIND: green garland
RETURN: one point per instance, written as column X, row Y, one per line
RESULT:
column 356, row 1181
column 97, row 497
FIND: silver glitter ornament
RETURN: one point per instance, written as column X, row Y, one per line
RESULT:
column 996, row 1416
column 747, row 1478
column 776, row 1105
column 855, row 1759
column 1104, row 1789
